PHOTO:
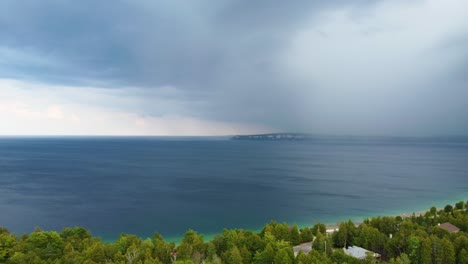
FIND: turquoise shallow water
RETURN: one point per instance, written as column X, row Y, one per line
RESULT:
column 146, row 184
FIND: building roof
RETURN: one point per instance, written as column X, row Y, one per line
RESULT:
column 305, row 248
column 359, row 252
column 449, row 227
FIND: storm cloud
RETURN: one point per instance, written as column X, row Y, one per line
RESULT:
column 222, row 67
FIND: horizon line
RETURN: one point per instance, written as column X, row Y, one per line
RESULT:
column 230, row 135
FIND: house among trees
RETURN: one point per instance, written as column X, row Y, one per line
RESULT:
column 359, row 252
column 449, row 227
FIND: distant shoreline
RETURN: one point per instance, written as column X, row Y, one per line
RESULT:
column 403, row 215
column 356, row 220
column 292, row 136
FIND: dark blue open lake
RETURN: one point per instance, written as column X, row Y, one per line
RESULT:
column 147, row 184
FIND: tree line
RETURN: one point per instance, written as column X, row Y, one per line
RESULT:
column 417, row 239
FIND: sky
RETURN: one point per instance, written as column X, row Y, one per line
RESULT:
column 174, row 67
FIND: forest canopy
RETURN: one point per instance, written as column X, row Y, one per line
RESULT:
column 416, row 239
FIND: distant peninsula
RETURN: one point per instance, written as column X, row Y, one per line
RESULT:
column 274, row 136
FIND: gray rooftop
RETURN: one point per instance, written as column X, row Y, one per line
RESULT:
column 358, row 252
column 305, row 248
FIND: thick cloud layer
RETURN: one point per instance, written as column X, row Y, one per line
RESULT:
column 340, row 67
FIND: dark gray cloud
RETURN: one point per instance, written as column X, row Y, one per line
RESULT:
column 276, row 63
column 145, row 43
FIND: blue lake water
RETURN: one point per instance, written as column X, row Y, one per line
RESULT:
column 145, row 184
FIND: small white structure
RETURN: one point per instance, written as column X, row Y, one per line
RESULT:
column 359, row 252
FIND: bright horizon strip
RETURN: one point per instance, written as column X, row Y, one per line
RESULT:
column 30, row 109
